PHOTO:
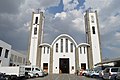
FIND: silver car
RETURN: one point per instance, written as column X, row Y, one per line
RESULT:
column 110, row 73
column 118, row 75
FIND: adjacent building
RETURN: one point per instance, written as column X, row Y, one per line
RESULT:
column 9, row 57
column 64, row 55
column 5, row 50
column 17, row 58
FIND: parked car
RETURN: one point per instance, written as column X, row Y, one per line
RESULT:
column 94, row 74
column 84, row 73
column 88, row 74
column 118, row 75
column 101, row 73
column 2, row 76
column 29, row 74
column 35, row 71
column 102, row 68
column 45, row 73
column 110, row 73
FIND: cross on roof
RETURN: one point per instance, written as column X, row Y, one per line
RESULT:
column 38, row 10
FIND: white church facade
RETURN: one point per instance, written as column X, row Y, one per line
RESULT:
column 67, row 56
column 64, row 55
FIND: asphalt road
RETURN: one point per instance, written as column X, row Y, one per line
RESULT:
column 63, row 77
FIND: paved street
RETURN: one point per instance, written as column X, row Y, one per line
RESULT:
column 63, row 77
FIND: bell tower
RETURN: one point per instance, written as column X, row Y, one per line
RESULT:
column 35, row 39
column 93, row 38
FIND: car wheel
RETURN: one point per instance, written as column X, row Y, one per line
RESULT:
column 93, row 76
column 37, row 75
column 83, row 74
column 29, row 76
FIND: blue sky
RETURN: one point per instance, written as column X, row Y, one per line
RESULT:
column 61, row 16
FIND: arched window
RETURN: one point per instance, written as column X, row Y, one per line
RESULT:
column 80, row 50
column 44, row 50
column 36, row 20
column 47, row 50
column 35, row 30
column 56, row 47
column 66, row 45
column 92, row 19
column 61, row 45
column 71, row 46
column 84, row 50
column 93, row 29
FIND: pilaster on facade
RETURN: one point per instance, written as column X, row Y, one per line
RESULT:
column 77, row 59
column 51, row 61
column 40, row 40
column 99, row 35
column 29, row 43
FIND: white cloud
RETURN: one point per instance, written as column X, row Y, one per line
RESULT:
column 97, row 4
column 73, row 18
column 61, row 15
column 78, row 24
column 110, row 24
column 117, row 34
column 117, row 37
column 70, row 4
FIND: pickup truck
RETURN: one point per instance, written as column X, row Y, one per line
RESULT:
column 13, row 72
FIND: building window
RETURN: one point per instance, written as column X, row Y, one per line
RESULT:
column 19, row 59
column 1, row 50
column 66, row 45
column 24, row 61
column 15, row 59
column 56, row 47
column 84, row 50
column 12, row 57
column 92, row 19
column 93, row 29
column 35, row 30
column 6, row 53
column 72, row 67
column 48, row 50
column 36, row 20
column 80, row 50
column 71, row 46
column 61, row 45
column 44, row 50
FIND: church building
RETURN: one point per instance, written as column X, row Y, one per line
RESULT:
column 64, row 55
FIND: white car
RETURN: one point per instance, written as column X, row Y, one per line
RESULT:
column 93, row 74
column 85, row 72
column 35, row 70
column 29, row 75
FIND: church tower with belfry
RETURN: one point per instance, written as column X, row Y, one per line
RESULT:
column 92, row 38
column 36, row 38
